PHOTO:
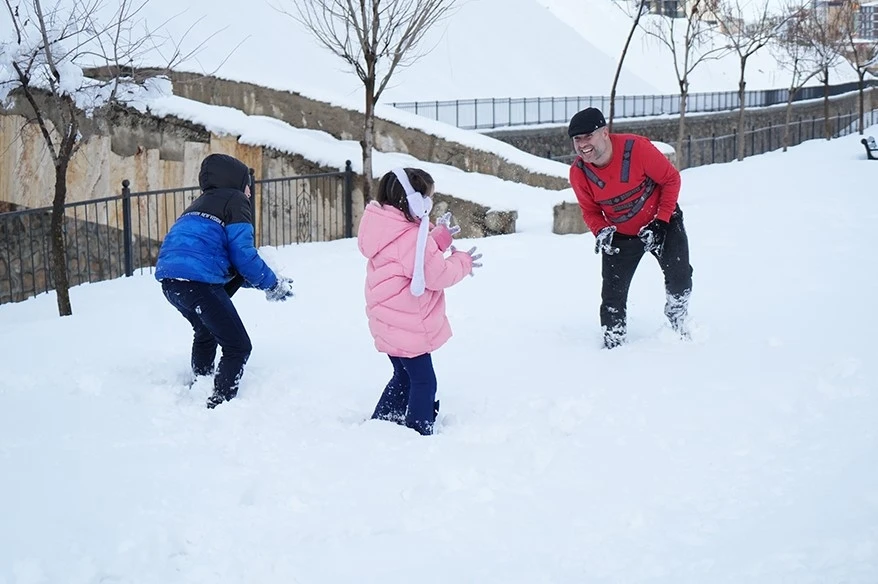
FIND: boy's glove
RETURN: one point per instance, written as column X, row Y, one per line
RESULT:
column 603, row 241
column 281, row 290
column 653, row 236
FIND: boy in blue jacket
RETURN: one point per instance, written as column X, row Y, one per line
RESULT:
column 208, row 245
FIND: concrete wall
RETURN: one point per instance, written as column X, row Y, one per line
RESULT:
column 165, row 153
column 345, row 124
column 154, row 155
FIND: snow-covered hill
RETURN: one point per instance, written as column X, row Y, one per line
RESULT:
column 486, row 48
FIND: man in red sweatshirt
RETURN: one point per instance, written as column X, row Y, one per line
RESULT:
column 627, row 190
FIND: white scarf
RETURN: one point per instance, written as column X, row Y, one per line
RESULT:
column 420, row 207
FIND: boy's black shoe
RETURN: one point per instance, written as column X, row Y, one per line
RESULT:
column 215, row 400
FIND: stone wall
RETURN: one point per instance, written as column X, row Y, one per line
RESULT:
column 95, row 237
column 152, row 153
column 164, row 154
column 554, row 142
column 475, row 220
column 345, row 124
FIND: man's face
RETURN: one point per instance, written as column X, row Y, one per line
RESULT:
column 593, row 148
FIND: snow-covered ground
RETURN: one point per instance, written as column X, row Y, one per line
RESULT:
column 746, row 455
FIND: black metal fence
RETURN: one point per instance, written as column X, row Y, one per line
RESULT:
column 114, row 236
column 483, row 114
column 316, row 207
column 718, row 149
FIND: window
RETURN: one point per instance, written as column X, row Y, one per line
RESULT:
column 671, row 8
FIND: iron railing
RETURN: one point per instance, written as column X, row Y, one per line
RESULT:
column 718, row 149
column 117, row 236
column 483, row 114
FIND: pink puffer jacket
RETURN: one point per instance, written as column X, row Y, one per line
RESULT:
column 404, row 325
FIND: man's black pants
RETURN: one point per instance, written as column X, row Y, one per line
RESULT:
column 618, row 270
column 214, row 320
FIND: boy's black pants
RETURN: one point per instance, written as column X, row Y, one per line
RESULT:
column 618, row 270
column 214, row 320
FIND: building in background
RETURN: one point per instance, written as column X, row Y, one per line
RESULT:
column 682, row 8
column 865, row 15
column 868, row 21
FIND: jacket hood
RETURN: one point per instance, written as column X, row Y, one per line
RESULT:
column 221, row 171
column 381, row 226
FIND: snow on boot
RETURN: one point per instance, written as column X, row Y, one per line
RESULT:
column 215, row 400
column 613, row 337
column 677, row 311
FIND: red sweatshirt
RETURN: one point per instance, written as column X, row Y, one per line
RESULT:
column 638, row 185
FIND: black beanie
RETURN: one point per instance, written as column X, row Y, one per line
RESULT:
column 586, row 122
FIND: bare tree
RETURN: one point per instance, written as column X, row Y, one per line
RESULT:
column 823, row 34
column 374, row 37
column 689, row 48
column 860, row 53
column 640, row 7
column 749, row 28
column 793, row 53
column 51, row 42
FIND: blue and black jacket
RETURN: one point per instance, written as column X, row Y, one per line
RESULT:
column 213, row 238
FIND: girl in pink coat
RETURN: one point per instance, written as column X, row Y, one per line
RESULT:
column 406, row 275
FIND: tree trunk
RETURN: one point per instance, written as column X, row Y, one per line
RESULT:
column 59, row 248
column 619, row 68
column 742, row 85
column 827, row 125
column 787, row 119
column 861, row 102
column 613, row 100
column 681, row 129
column 368, row 142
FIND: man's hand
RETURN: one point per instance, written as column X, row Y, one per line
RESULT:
column 653, row 236
column 603, row 241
